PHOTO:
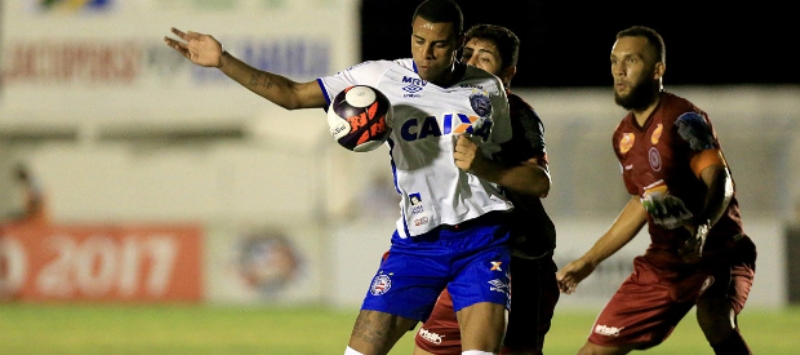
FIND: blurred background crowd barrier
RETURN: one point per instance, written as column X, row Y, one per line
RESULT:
column 168, row 182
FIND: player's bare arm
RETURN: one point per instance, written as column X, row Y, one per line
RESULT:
column 629, row 222
column 527, row 177
column 720, row 192
column 204, row 50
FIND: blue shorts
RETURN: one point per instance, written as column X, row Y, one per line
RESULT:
column 471, row 260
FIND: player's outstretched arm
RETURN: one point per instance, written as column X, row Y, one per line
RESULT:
column 527, row 177
column 629, row 222
column 204, row 50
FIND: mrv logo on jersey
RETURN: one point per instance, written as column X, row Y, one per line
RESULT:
column 415, row 85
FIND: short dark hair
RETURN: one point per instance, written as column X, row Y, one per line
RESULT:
column 441, row 11
column 652, row 36
column 506, row 41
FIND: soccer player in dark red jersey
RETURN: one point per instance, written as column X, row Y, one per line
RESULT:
column 534, row 291
column 672, row 163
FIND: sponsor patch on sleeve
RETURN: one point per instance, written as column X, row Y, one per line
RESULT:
column 694, row 129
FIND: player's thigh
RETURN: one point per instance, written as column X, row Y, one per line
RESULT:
column 440, row 333
column 522, row 332
column 715, row 307
column 482, row 326
column 374, row 333
column 408, row 281
column 742, row 273
column 550, row 294
column 643, row 311
column 733, row 279
column 718, row 306
column 482, row 276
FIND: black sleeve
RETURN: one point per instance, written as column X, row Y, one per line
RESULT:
column 533, row 232
column 527, row 139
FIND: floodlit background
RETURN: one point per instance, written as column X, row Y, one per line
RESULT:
column 166, row 182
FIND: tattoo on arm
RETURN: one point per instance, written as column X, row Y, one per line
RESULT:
column 261, row 79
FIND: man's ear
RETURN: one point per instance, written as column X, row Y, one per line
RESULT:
column 461, row 40
column 660, row 68
column 507, row 74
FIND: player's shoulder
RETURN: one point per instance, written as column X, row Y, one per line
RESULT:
column 521, row 109
column 677, row 107
column 516, row 102
column 675, row 102
column 371, row 72
column 406, row 63
column 687, row 121
column 478, row 78
column 371, row 65
column 403, row 66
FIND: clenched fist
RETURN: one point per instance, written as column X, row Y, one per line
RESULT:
column 571, row 275
column 467, row 154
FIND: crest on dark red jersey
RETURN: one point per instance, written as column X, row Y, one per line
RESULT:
column 655, row 159
column 656, row 134
column 626, row 142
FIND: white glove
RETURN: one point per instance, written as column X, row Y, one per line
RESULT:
column 666, row 210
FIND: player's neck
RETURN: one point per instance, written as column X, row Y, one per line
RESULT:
column 451, row 76
column 642, row 115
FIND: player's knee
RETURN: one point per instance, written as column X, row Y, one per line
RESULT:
column 483, row 320
column 716, row 332
column 717, row 323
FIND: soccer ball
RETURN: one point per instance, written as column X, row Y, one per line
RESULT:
column 360, row 118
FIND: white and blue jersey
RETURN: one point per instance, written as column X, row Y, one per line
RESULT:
column 426, row 120
column 456, row 241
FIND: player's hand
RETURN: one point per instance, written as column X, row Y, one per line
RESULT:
column 692, row 250
column 200, row 49
column 667, row 211
column 467, row 155
column 572, row 274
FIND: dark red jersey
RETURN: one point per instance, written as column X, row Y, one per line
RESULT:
column 663, row 150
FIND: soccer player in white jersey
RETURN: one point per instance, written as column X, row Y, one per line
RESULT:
column 449, row 119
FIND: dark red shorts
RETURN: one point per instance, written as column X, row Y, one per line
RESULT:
column 440, row 334
column 649, row 304
column 534, row 293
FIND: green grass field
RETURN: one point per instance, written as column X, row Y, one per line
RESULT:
column 28, row 329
